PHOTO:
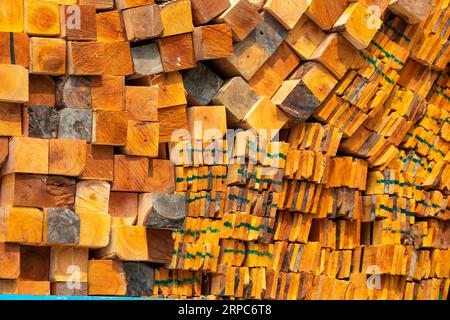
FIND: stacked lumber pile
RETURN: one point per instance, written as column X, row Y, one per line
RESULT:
column 226, row 149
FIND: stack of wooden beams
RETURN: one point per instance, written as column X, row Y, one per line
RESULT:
column 226, row 149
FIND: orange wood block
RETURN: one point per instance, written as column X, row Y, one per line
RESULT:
column 67, row 157
column 110, row 27
column 106, row 277
column 27, row 155
column 119, row 61
column 110, row 127
column 99, row 163
column 108, row 92
column 212, row 42
column 177, row 52
column 141, row 103
column 86, row 58
column 142, row 139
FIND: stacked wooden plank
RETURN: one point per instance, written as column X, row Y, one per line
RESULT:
column 226, row 149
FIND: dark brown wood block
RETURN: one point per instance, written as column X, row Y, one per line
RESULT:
column 42, row 91
column 160, row 244
column 34, row 263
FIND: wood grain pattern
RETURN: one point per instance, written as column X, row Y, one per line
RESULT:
column 108, row 93
column 99, row 4
column 123, row 207
column 3, row 150
column 120, row 62
column 305, row 37
column 141, row 103
column 251, row 53
column 212, row 42
column 21, row 225
column 143, row 22
column 159, row 242
column 357, row 25
column 9, row 260
column 109, row 27
column 207, row 123
column 28, row 190
column 267, row 80
column 47, row 56
column 67, row 157
column 35, row 263
column 40, row 288
column 106, row 277
column 99, row 163
column 14, row 79
column 179, row 11
column 123, row 4
column 161, row 176
column 336, row 54
column 204, row 11
column 92, row 197
column 42, row 91
column 177, row 52
column 62, row 289
column 171, row 119
column 142, row 139
column 287, row 12
column 94, row 229
column 110, row 127
column 42, row 18
column 85, row 58
column 60, row 192
column 19, row 54
column 242, row 17
column 324, row 13
column 10, row 119
column 170, row 89
column 21, row 150
column 130, row 173
column 11, row 16
column 128, row 243
column 265, row 115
